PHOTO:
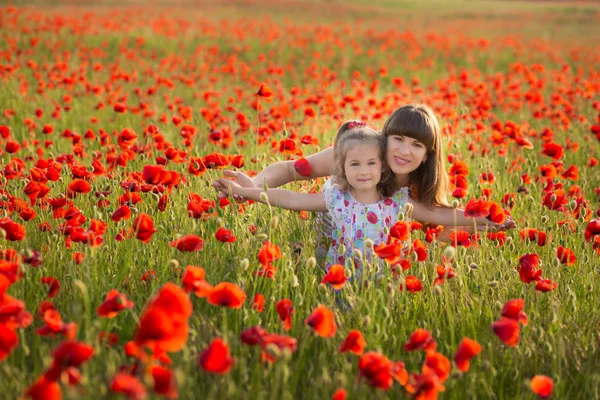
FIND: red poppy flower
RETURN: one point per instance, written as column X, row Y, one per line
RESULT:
column 513, row 309
column 565, row 255
column 542, row 386
column 376, row 369
column 467, row 349
column 477, row 208
column 259, row 302
column 216, row 358
column 53, row 285
column 8, row 340
column 224, row 235
column 227, row 294
column 507, row 330
column 336, row 277
column 528, row 271
column 144, row 227
column 340, row 394
column 128, row 385
column 389, row 252
column 461, row 238
column 188, row 243
column 592, row 230
column 401, row 230
column 114, row 303
column 302, row 167
column 354, row 343
column 413, row 284
column 437, row 364
column 322, row 321
column 44, row 389
column 193, row 281
column 164, row 321
column 265, row 92
column 164, row 381
column 13, row 230
column 421, row 339
column 268, row 253
column 545, row 285
column 285, row 310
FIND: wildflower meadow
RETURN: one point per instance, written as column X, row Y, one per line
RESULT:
column 122, row 275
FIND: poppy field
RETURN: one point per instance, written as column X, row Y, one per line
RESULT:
column 123, row 275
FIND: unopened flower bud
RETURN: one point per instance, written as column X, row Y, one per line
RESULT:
column 311, row 262
column 473, row 266
column 274, row 222
column 244, row 264
column 342, row 249
column 357, row 253
column 408, row 208
column 455, row 203
column 450, row 252
column 264, row 197
column 369, row 243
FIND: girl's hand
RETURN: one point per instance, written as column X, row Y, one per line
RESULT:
column 509, row 223
column 226, row 186
column 240, row 179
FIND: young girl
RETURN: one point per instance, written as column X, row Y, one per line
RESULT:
column 414, row 153
column 361, row 200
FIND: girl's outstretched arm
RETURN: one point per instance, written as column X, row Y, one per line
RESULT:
column 454, row 217
column 282, row 198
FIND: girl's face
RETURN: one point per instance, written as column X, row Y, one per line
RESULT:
column 362, row 166
column 404, row 154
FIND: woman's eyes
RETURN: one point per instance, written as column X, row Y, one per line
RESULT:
column 415, row 143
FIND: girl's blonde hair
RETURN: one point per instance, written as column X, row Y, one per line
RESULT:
column 351, row 134
column 418, row 121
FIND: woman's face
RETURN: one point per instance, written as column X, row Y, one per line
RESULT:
column 404, row 154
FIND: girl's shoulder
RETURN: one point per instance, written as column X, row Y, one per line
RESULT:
column 335, row 198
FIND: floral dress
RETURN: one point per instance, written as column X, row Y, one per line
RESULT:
column 352, row 222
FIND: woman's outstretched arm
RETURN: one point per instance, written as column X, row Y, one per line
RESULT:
column 283, row 172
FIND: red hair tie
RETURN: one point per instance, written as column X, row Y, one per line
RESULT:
column 356, row 124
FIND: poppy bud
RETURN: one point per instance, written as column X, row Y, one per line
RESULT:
column 244, row 264
column 386, row 230
column 264, row 197
column 493, row 283
column 220, row 222
column 379, row 278
column 455, row 203
column 369, row 243
column 349, row 264
column 174, row 263
column 473, row 266
column 390, row 289
column 341, row 249
column 295, row 282
column 414, row 257
column 553, row 198
column 450, row 252
column 357, row 253
column 498, row 306
column 2, row 233
column 572, row 205
column 366, row 321
column 272, row 350
column 340, row 380
column 274, row 222
column 311, row 262
column 437, row 290
column 262, row 236
column 408, row 208
column 545, row 219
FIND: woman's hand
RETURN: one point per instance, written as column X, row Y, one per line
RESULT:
column 239, row 180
